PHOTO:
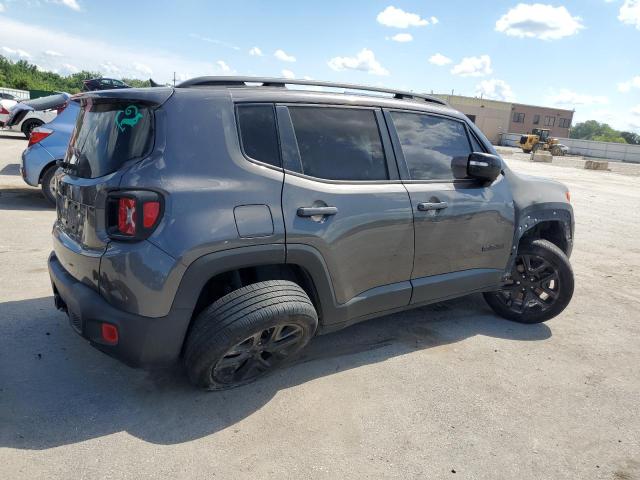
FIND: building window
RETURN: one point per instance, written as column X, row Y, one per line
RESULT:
column 518, row 117
column 549, row 121
column 536, row 119
column 564, row 123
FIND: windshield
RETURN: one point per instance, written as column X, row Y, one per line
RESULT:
column 106, row 135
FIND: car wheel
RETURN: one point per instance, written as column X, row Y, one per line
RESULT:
column 541, row 285
column 248, row 333
column 29, row 125
column 556, row 152
column 48, row 184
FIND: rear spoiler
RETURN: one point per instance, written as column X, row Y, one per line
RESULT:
column 151, row 95
column 20, row 110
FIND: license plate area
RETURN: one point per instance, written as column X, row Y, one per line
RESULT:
column 71, row 216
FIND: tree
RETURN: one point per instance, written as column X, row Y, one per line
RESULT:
column 594, row 130
column 631, row 137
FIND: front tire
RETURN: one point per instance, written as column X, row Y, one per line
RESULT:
column 541, row 285
column 248, row 333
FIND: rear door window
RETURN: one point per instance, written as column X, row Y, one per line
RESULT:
column 339, row 143
column 435, row 148
column 258, row 133
column 106, row 135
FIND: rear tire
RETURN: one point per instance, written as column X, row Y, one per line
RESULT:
column 47, row 184
column 248, row 333
column 29, row 125
column 542, row 285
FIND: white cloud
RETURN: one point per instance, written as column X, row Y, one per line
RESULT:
column 364, row 61
column 89, row 53
column 1, row 8
column 545, row 22
column 434, row 20
column 625, row 87
column 16, row 53
column 110, row 68
column 72, row 4
column 142, row 68
column 473, row 67
column 402, row 37
column 223, row 66
column 630, row 13
column 636, row 110
column 439, row 59
column 398, row 18
column 68, row 68
column 256, row 52
column 288, row 74
column 496, row 90
column 53, row 53
column 282, row 55
column 569, row 98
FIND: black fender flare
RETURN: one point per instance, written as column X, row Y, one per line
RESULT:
column 201, row 270
column 529, row 217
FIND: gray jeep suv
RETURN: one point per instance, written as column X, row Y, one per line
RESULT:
column 227, row 221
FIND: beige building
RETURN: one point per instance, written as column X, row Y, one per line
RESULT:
column 491, row 116
column 494, row 117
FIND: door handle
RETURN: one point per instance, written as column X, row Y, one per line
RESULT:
column 313, row 211
column 426, row 206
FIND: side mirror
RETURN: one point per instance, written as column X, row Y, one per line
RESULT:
column 484, row 166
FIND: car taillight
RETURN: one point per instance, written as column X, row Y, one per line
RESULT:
column 133, row 214
column 3, row 111
column 60, row 108
column 38, row 134
column 127, row 216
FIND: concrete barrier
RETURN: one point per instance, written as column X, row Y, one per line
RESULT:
column 541, row 156
column 596, row 165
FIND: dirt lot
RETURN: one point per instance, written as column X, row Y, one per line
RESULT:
column 448, row 391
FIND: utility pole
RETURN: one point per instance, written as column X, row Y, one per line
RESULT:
column 174, row 79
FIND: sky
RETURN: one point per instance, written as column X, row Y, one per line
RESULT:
column 575, row 54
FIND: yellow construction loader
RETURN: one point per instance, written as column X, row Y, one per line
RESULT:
column 540, row 138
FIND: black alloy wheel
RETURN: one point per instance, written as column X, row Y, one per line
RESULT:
column 257, row 354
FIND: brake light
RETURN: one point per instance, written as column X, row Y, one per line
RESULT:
column 4, row 111
column 60, row 108
column 568, row 195
column 127, row 216
column 150, row 212
column 133, row 214
column 38, row 134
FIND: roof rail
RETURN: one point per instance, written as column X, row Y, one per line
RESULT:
column 212, row 81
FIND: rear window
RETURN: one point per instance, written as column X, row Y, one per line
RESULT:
column 258, row 133
column 107, row 135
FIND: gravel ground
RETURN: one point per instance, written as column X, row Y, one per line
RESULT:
column 446, row 391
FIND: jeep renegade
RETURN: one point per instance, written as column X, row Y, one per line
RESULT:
column 226, row 221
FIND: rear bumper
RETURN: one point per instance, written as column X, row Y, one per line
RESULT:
column 143, row 341
column 34, row 159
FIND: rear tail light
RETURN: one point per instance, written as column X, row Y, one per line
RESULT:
column 60, row 108
column 133, row 214
column 4, row 111
column 38, row 134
